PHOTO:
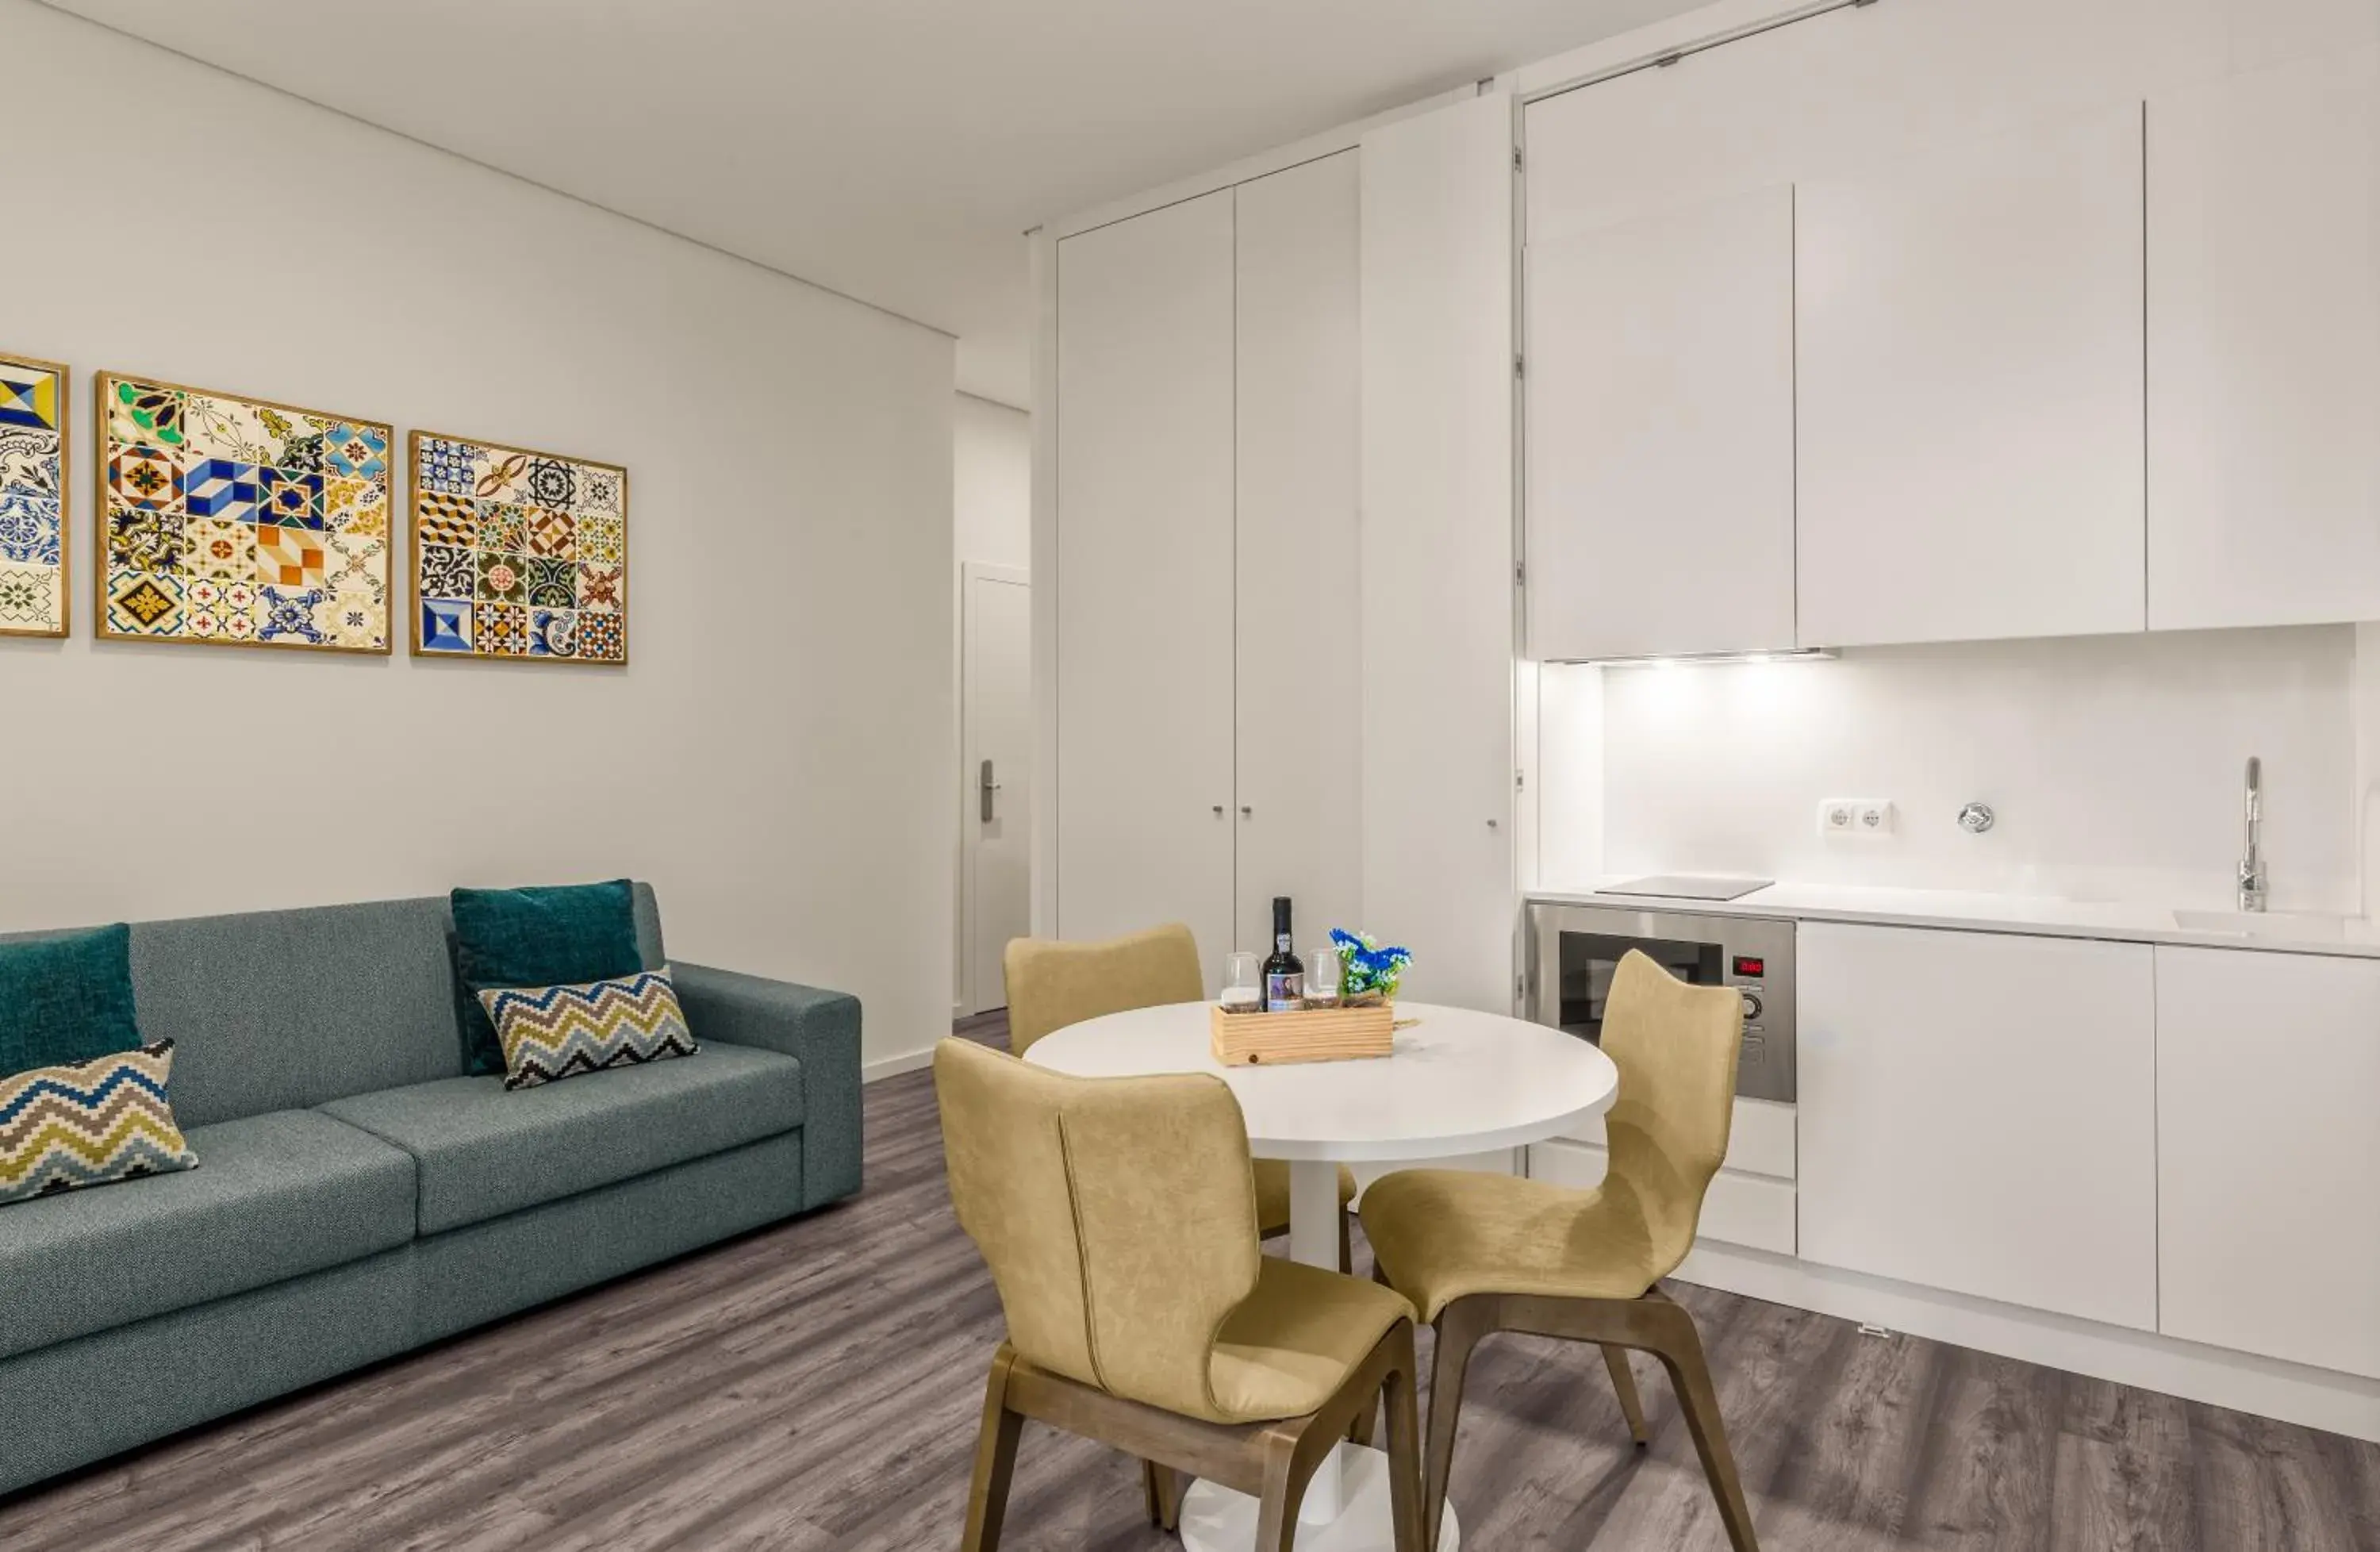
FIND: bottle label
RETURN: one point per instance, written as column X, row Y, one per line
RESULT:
column 1285, row 994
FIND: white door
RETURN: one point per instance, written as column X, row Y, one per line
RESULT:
column 1437, row 556
column 1144, row 424
column 2267, row 1065
column 1660, row 432
column 996, row 741
column 1969, row 371
column 1978, row 1113
column 1301, row 709
column 2264, row 202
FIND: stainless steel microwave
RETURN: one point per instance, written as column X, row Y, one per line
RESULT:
column 1574, row 949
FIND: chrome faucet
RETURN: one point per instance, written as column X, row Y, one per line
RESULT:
column 2251, row 864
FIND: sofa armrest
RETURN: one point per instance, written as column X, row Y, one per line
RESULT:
column 819, row 1028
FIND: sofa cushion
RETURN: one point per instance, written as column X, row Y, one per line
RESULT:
column 484, row 1150
column 96, row 1123
column 274, row 1196
column 543, row 936
column 559, row 1032
column 65, row 999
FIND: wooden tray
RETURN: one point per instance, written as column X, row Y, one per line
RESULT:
column 1313, row 1035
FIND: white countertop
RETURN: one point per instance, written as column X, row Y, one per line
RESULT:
column 2282, row 932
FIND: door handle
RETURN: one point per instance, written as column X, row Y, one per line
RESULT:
column 985, row 787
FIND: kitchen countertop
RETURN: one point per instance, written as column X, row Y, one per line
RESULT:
column 1959, row 910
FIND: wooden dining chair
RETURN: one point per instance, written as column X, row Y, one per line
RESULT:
column 1118, row 1221
column 1482, row 1254
column 1051, row 984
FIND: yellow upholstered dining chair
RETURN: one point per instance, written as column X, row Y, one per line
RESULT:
column 1482, row 1254
column 1119, row 1222
column 1051, row 984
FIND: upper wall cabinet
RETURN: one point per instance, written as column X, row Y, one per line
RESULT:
column 2263, row 347
column 1143, row 579
column 1660, row 432
column 1971, row 397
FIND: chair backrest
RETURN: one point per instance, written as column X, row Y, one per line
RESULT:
column 1676, row 1047
column 1051, row 984
column 1117, row 1215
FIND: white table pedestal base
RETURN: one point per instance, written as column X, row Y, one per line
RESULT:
column 1217, row 1520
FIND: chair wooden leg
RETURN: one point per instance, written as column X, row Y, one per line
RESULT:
column 1365, row 1429
column 1161, row 1490
column 1623, row 1381
column 1283, row 1492
column 1679, row 1348
column 1460, row 1326
column 1404, row 1452
column 1347, row 1245
column 995, row 1459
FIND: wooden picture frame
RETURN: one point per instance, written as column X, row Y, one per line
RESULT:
column 36, row 498
column 516, row 555
column 295, row 499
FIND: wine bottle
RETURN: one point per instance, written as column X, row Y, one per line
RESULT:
column 1284, row 977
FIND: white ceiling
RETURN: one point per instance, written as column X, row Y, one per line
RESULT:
column 892, row 150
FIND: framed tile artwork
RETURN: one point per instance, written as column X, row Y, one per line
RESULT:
column 517, row 554
column 36, row 524
column 238, row 522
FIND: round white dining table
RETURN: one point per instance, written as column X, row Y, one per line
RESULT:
column 1457, row 1083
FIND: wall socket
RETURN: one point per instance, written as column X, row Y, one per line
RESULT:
column 1856, row 816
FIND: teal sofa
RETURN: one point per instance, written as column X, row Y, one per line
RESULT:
column 357, row 1196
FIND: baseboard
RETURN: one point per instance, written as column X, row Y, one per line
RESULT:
column 893, row 1066
column 2334, row 1402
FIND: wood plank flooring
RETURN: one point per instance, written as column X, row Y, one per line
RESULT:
column 816, row 1386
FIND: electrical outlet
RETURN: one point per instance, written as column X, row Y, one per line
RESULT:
column 1856, row 816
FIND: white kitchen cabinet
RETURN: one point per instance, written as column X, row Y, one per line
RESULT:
column 2263, row 347
column 2268, row 1067
column 1660, row 452
column 1144, row 575
column 1978, row 1114
column 1436, row 671
column 1300, row 422
column 1970, row 382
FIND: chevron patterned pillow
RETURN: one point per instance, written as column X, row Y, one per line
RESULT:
column 550, row 1033
column 90, row 1124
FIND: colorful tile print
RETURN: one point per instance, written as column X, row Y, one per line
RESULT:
column 446, row 625
column 220, row 488
column 31, row 529
column 290, row 497
column 514, row 552
column 31, row 461
column 32, row 398
column 143, row 603
column 32, row 600
column 502, row 630
column 291, row 558
column 236, row 520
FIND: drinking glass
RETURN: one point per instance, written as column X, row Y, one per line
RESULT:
column 1243, row 991
column 1322, row 969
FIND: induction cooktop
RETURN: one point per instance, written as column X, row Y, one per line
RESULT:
column 1681, row 886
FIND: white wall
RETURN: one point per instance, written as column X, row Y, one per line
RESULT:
column 777, row 759
column 991, row 511
column 2113, row 764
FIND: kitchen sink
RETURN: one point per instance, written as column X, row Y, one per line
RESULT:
column 2298, row 926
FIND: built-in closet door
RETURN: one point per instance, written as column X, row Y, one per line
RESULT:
column 1144, row 584
column 1438, row 669
column 1300, row 819
column 2264, row 210
column 1970, row 403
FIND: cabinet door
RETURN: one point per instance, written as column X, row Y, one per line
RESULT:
column 2264, row 202
column 1300, row 716
column 2267, row 1069
column 1660, row 433
column 1978, row 1113
column 1144, row 577
column 1971, row 399
column 1436, row 676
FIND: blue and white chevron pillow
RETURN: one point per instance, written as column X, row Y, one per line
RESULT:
column 550, row 1033
column 105, row 1119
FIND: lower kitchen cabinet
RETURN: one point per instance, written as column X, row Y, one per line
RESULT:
column 1978, row 1114
column 1751, row 1199
column 2268, row 1076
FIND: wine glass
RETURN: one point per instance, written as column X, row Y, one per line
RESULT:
column 1242, row 986
column 1322, row 968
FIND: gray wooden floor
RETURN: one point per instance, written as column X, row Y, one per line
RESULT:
column 816, row 1385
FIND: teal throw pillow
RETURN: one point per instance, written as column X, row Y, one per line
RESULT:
column 560, row 935
column 66, row 999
